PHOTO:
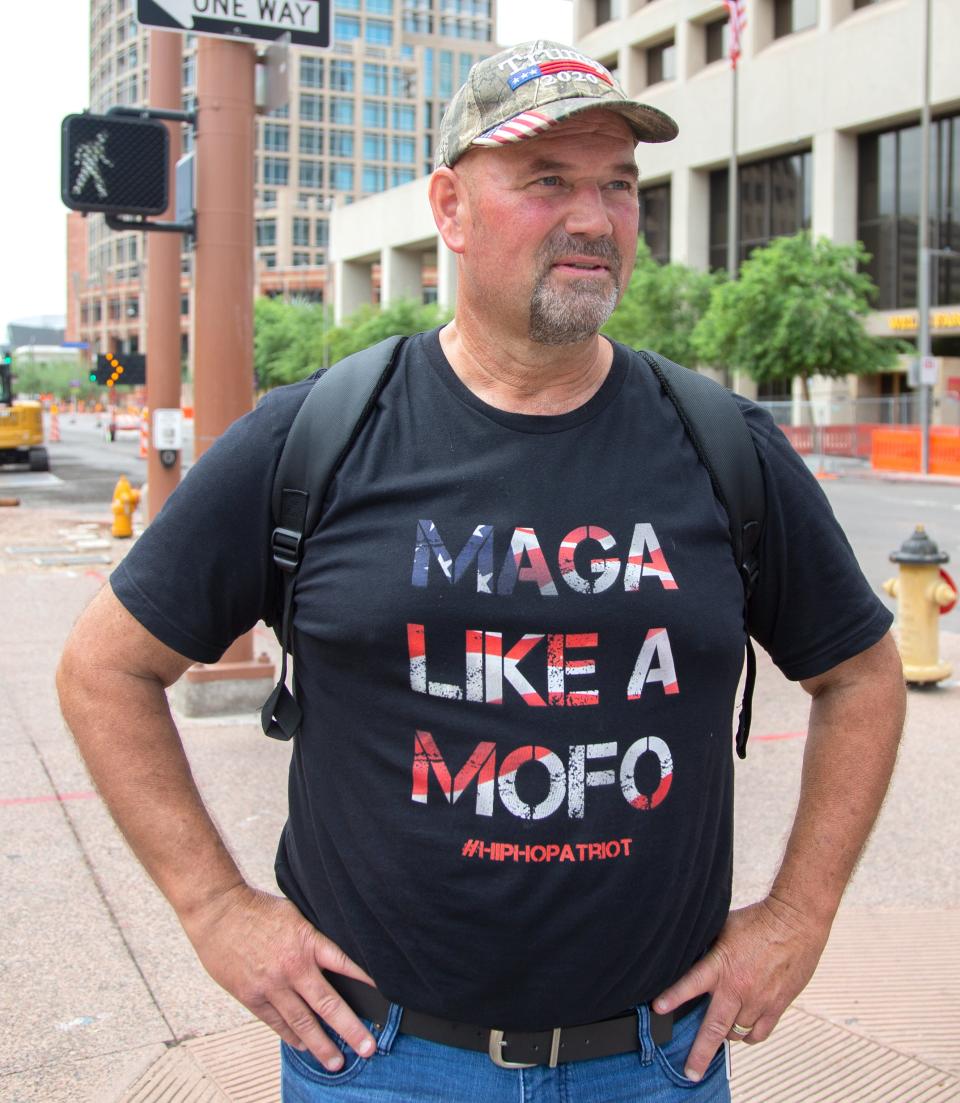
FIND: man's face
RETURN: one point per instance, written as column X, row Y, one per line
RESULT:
column 550, row 233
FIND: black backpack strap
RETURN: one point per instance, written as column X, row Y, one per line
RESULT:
column 719, row 433
column 323, row 432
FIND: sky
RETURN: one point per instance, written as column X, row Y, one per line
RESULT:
column 43, row 77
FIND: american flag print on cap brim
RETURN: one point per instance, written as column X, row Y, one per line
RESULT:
column 524, row 125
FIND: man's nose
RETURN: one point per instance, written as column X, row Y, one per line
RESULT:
column 588, row 214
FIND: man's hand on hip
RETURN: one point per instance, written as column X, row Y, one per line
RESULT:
column 265, row 954
column 759, row 964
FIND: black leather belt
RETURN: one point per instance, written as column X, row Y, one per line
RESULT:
column 515, row 1048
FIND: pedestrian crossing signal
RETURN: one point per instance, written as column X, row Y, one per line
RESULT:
column 114, row 164
column 128, row 369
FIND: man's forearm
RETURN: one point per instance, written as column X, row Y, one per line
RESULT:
column 856, row 718
column 126, row 735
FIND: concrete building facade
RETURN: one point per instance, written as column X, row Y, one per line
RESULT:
column 362, row 117
column 829, row 140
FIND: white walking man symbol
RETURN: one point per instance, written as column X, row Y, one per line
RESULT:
column 90, row 156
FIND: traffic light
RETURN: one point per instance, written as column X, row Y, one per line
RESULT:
column 115, row 164
column 6, row 359
column 128, row 369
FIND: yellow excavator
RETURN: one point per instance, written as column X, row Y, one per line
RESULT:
column 21, row 426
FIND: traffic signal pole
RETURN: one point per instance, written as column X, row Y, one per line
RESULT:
column 163, row 275
column 223, row 315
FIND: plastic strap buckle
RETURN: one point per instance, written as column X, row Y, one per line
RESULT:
column 287, row 548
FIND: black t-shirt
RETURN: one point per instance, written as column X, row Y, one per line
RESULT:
column 518, row 640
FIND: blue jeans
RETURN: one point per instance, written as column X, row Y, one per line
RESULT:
column 406, row 1069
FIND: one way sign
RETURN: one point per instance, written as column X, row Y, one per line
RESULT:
column 306, row 21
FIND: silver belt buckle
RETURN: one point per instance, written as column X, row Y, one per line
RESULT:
column 495, row 1051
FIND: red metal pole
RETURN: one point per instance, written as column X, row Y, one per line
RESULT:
column 223, row 297
column 163, row 275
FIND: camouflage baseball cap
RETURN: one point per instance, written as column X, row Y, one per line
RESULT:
column 526, row 89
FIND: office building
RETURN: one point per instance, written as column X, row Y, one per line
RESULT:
column 362, row 117
column 830, row 95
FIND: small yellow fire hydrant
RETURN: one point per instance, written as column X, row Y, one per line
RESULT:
column 924, row 591
column 125, row 501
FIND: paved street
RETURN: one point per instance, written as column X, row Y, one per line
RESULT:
column 101, row 998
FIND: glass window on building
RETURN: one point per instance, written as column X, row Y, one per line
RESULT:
column 276, row 171
column 341, row 75
column 790, row 16
column 401, row 176
column 380, row 7
column 606, row 10
column 428, row 71
column 662, row 62
column 301, row 231
column 341, row 143
column 374, row 114
column 184, row 304
column 428, row 146
column 404, row 117
column 346, row 28
column 775, row 201
column 718, row 40
column 341, row 111
column 404, row 83
column 311, row 108
column 404, row 151
column 375, row 147
column 446, row 74
column 189, row 71
column 268, row 260
column 301, row 260
column 374, row 178
column 311, row 140
column 375, row 79
column 310, row 174
column 348, row 5
column 341, row 177
column 266, row 231
column 655, row 221
column 276, row 137
column 888, row 209
column 379, row 32
column 311, row 72
column 322, row 230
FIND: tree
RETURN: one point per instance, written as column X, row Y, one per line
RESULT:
column 661, row 307
column 293, row 339
column 796, row 310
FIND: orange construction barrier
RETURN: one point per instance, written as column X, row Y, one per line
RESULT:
column 54, row 434
column 901, row 450
column 144, row 432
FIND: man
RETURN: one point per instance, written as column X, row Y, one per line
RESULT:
column 519, row 632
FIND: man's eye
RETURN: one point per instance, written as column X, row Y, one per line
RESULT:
column 621, row 185
column 549, row 181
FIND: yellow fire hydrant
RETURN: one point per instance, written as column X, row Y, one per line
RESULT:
column 924, row 591
column 125, row 501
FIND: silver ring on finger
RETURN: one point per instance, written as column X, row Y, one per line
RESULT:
column 741, row 1031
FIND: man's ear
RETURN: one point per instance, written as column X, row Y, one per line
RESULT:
column 447, row 194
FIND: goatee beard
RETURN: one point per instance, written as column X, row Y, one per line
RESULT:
column 574, row 313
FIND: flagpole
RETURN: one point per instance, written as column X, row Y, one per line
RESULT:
column 732, row 220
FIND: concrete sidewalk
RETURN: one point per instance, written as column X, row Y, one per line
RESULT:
column 102, row 1000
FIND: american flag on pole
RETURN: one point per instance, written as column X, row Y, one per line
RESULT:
column 738, row 20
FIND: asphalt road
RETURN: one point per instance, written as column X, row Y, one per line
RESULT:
column 877, row 514
column 84, row 466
